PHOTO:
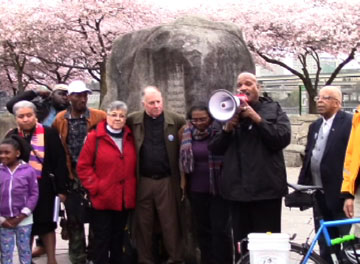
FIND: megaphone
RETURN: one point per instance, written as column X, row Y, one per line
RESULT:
column 223, row 105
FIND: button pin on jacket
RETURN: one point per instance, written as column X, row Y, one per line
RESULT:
column 171, row 137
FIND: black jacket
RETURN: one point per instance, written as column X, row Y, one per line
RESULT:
column 254, row 167
column 332, row 162
column 43, row 105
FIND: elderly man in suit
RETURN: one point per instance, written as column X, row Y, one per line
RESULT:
column 324, row 159
column 158, row 193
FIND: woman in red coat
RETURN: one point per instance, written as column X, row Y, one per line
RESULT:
column 106, row 168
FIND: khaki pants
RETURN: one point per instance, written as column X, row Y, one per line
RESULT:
column 156, row 197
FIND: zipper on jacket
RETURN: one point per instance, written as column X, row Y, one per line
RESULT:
column 10, row 188
column 10, row 196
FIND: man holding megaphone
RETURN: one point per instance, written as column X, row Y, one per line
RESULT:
column 254, row 173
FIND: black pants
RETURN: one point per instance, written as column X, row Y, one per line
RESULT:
column 108, row 227
column 323, row 212
column 257, row 216
column 213, row 228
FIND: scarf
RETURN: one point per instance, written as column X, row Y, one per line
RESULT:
column 186, row 161
column 114, row 133
column 37, row 144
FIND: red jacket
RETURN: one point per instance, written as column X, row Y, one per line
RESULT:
column 112, row 184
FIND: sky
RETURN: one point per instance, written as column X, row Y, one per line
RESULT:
column 179, row 4
column 184, row 3
column 191, row 3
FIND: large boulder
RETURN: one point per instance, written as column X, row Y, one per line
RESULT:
column 186, row 59
column 7, row 121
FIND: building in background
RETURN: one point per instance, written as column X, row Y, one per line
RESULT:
column 289, row 90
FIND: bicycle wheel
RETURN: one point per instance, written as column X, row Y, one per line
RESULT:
column 297, row 254
column 352, row 255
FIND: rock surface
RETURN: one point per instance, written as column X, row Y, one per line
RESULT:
column 295, row 152
column 186, row 59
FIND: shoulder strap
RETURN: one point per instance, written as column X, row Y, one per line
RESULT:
column 96, row 150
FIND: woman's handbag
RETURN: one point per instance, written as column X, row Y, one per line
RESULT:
column 299, row 199
column 78, row 205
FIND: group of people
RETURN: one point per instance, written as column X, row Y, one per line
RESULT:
column 145, row 163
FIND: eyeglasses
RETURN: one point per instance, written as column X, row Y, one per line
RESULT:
column 324, row 98
column 113, row 115
column 199, row 120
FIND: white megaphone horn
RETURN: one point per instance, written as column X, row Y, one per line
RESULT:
column 223, row 104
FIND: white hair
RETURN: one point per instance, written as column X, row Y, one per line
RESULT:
column 23, row 104
column 335, row 89
column 149, row 89
column 117, row 105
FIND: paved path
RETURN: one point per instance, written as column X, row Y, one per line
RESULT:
column 293, row 222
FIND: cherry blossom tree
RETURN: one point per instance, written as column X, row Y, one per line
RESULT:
column 305, row 30
column 62, row 39
column 20, row 24
column 56, row 41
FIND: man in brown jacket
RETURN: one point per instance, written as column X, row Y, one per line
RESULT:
column 157, row 146
column 73, row 125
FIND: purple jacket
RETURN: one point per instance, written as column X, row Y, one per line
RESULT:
column 18, row 190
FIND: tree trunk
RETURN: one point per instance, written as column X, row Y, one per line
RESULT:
column 19, row 77
column 103, row 85
column 312, row 104
column 312, row 92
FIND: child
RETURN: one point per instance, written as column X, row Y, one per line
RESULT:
column 18, row 197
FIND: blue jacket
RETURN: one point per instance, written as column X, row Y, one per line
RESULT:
column 18, row 190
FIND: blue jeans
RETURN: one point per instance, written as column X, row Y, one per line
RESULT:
column 7, row 244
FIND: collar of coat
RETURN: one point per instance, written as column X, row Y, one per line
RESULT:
column 139, row 118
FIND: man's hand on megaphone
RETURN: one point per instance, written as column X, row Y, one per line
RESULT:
column 231, row 124
column 247, row 111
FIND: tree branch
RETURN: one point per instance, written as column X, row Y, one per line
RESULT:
column 340, row 66
column 61, row 63
column 91, row 72
column 316, row 57
column 277, row 62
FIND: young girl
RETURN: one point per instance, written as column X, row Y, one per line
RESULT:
column 18, row 198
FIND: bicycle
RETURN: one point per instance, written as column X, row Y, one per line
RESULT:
column 304, row 253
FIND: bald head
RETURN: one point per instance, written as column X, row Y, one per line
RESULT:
column 152, row 101
column 248, row 75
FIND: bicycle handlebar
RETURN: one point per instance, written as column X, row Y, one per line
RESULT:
column 340, row 240
column 304, row 188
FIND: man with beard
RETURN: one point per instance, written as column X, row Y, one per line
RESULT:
column 254, row 175
column 47, row 103
column 73, row 126
column 324, row 159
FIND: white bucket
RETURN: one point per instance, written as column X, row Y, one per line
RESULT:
column 269, row 248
